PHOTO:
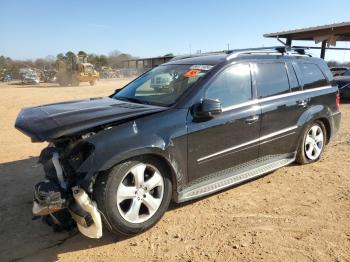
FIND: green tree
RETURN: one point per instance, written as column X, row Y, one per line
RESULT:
column 82, row 53
column 70, row 54
column 60, row 56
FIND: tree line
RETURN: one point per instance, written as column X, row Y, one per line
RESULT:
column 12, row 66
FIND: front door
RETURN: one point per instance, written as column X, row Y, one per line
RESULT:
column 231, row 138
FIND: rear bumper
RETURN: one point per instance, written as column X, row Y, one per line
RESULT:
column 335, row 124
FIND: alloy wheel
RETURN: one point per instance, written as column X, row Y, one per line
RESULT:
column 314, row 142
column 140, row 193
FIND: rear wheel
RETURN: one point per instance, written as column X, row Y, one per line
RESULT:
column 312, row 144
column 134, row 195
column 92, row 82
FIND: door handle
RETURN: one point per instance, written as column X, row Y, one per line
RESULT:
column 302, row 103
column 252, row 119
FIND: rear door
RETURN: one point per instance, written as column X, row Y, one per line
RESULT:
column 277, row 88
column 231, row 138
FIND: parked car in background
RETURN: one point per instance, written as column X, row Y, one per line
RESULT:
column 160, row 82
column 336, row 71
column 343, row 82
column 6, row 78
column 223, row 119
column 30, row 78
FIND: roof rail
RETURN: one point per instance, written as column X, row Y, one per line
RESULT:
column 180, row 57
column 278, row 50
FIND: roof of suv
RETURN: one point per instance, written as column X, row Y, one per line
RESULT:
column 255, row 53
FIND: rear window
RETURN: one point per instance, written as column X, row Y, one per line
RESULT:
column 312, row 76
column 271, row 79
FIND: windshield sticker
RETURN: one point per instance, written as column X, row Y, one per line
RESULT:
column 202, row 67
column 192, row 73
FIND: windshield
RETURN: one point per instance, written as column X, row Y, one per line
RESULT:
column 347, row 73
column 162, row 85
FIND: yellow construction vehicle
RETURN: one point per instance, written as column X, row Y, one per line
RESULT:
column 75, row 69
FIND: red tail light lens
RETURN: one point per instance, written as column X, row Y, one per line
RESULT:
column 337, row 100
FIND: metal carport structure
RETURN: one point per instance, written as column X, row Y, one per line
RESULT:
column 327, row 35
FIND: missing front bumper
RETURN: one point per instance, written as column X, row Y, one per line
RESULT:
column 54, row 197
column 89, row 207
column 48, row 200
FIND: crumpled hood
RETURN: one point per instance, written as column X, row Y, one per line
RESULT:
column 47, row 122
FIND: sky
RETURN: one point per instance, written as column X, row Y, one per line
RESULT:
column 33, row 29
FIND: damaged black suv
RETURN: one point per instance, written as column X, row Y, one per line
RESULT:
column 183, row 130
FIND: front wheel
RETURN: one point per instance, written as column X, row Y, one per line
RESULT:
column 312, row 144
column 134, row 195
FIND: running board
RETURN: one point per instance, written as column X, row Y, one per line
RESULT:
column 211, row 186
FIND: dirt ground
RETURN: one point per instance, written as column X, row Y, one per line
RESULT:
column 297, row 213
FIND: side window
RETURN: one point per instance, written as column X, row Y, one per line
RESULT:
column 293, row 81
column 312, row 76
column 326, row 71
column 232, row 86
column 271, row 79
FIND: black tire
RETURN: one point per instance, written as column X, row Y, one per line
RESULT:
column 105, row 192
column 302, row 157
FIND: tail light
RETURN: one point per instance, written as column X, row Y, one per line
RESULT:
column 337, row 100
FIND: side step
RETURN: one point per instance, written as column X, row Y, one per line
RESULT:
column 227, row 180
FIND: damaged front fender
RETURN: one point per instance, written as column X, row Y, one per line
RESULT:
column 139, row 137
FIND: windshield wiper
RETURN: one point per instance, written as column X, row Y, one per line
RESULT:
column 132, row 99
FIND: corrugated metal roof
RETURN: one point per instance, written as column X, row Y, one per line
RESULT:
column 339, row 29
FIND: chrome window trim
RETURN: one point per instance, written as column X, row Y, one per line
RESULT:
column 285, row 130
column 260, row 100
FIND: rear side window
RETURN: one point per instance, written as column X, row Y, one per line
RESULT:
column 312, row 76
column 271, row 79
column 232, row 86
column 326, row 71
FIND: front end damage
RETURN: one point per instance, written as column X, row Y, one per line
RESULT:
column 60, row 191
column 83, row 143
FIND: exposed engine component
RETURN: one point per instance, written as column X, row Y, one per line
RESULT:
column 52, row 196
column 47, row 198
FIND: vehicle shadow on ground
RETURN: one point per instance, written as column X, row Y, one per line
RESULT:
column 20, row 236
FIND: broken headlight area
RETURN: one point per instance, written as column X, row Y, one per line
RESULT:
column 62, row 161
column 58, row 198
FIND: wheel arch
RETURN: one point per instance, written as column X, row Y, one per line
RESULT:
column 165, row 162
column 312, row 114
column 327, row 126
column 170, row 166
